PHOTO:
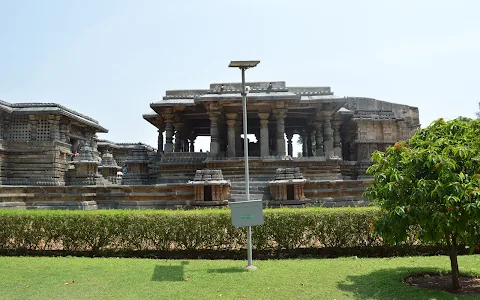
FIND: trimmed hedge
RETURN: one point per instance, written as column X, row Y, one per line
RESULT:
column 206, row 229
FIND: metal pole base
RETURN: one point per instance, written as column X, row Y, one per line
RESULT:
column 250, row 268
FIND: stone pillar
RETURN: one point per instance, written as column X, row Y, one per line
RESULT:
column 387, row 131
column 319, row 151
column 214, row 145
column 193, row 136
column 33, row 127
column 54, row 128
column 160, row 140
column 238, row 137
column 289, row 133
column 264, row 139
column 168, row 133
column 6, row 128
column 304, row 144
column 402, row 130
column 337, row 142
column 327, row 137
column 309, row 142
column 178, row 136
column 185, row 144
column 231, row 134
column 272, row 126
column 281, row 132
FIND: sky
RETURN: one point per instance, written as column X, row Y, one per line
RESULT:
column 109, row 59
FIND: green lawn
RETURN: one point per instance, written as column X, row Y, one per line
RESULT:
column 114, row 278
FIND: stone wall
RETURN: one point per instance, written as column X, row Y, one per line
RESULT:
column 34, row 163
column 97, row 197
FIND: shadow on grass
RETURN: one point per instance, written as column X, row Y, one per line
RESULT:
column 388, row 284
column 227, row 270
column 169, row 273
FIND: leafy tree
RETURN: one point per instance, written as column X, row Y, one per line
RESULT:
column 431, row 182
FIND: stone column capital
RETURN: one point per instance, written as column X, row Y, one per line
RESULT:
column 337, row 122
column 231, row 123
column 264, row 115
column 231, row 116
column 213, row 115
column 280, row 113
column 168, row 118
column 178, row 125
column 322, row 116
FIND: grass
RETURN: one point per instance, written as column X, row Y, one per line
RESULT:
column 122, row 278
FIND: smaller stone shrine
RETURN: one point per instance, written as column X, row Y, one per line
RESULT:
column 288, row 187
column 210, row 188
column 137, row 167
column 85, row 171
column 109, row 167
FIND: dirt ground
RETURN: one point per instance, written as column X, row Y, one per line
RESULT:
column 435, row 281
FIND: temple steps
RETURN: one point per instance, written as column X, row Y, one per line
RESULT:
column 259, row 190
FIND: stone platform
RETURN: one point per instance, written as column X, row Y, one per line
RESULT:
column 170, row 196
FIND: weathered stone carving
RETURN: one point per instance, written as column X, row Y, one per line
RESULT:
column 210, row 187
column 85, row 170
column 288, row 185
column 137, row 167
column 109, row 168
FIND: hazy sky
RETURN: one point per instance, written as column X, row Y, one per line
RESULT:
column 111, row 59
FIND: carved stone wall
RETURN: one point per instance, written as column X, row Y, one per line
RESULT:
column 34, row 163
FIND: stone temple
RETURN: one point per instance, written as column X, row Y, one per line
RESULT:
column 51, row 156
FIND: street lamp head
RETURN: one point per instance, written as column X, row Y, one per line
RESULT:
column 243, row 64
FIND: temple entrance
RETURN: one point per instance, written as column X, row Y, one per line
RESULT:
column 207, row 192
column 290, row 193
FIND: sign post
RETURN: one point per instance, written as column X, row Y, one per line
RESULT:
column 246, row 212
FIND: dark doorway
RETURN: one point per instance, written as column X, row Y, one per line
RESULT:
column 207, row 193
column 290, row 194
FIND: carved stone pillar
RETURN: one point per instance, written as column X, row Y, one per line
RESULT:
column 289, row 133
column 264, row 138
column 387, row 131
column 327, row 137
column 281, row 131
column 402, row 130
column 231, row 134
column 214, row 145
column 309, row 142
column 6, row 128
column 178, row 136
column 33, row 127
column 185, row 144
column 337, row 142
column 362, row 131
column 54, row 128
column 238, row 137
column 192, row 138
column 160, row 140
column 168, row 133
column 303, row 136
column 319, row 139
column 2, row 129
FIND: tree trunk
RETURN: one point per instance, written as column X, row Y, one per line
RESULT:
column 454, row 262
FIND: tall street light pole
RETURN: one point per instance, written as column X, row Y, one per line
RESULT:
column 244, row 65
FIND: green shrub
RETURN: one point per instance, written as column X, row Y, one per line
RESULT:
column 126, row 230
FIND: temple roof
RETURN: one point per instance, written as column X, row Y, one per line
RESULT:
column 49, row 108
column 259, row 91
column 114, row 145
column 303, row 102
